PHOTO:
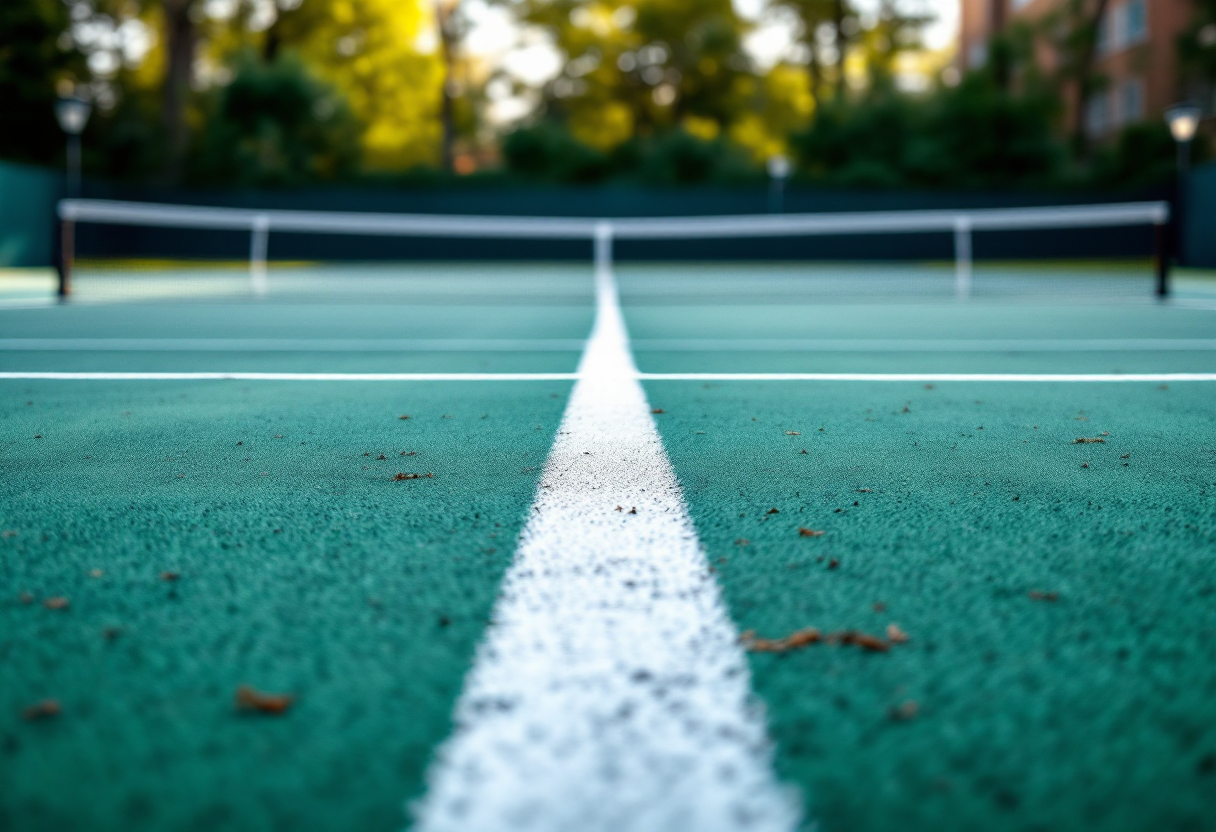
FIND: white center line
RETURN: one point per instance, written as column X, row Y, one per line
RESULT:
column 610, row 692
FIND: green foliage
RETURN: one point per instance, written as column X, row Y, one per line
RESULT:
column 275, row 124
column 31, row 61
column 975, row 135
column 548, row 152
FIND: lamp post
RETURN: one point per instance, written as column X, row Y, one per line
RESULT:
column 1183, row 120
column 72, row 114
column 778, row 170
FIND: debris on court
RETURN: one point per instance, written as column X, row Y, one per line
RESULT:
column 8, row 533
column 833, row 563
column 632, row 511
column 879, row 606
column 802, row 451
column 95, row 573
column 42, row 710
column 382, row 456
column 895, row 635
column 250, row 699
column 905, row 711
column 792, row 433
column 26, row 598
column 803, row 531
column 399, row 477
column 658, row 410
column 404, row 416
column 742, row 541
column 796, row 639
column 859, row 639
column 812, row 635
column 1040, row 595
column 56, row 603
column 1088, row 440
column 773, row 511
column 410, row 453
column 169, row 576
column 863, row 490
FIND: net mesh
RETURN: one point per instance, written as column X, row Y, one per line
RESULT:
column 137, row 251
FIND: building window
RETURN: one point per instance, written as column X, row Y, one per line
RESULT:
column 1097, row 114
column 1135, row 22
column 977, row 55
column 1131, row 101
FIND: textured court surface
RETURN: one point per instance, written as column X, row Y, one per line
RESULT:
column 1087, row 706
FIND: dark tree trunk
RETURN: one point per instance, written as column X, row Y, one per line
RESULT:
column 842, row 44
column 180, row 42
column 1086, row 56
column 445, row 18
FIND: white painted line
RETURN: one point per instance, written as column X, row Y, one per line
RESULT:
column 610, row 693
column 291, row 345
column 921, row 345
column 95, row 376
column 1045, row 377
column 239, row 376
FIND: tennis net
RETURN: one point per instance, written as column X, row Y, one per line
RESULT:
column 131, row 250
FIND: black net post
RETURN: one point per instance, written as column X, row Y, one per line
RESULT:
column 1162, row 258
column 67, row 254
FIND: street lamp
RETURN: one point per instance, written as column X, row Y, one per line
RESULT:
column 1183, row 120
column 73, row 115
column 778, row 170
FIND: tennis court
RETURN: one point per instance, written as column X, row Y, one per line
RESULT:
column 506, row 590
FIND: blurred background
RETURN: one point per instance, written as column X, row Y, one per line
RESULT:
column 463, row 104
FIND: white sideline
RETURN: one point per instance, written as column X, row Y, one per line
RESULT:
column 240, row 376
column 610, row 692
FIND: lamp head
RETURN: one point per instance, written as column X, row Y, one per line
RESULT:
column 778, row 166
column 73, row 114
column 1183, row 120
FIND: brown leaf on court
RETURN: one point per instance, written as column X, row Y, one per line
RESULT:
column 382, row 456
column 905, row 711
column 249, row 699
column 401, row 477
column 796, row 639
column 42, row 710
column 1088, row 440
column 618, row 508
column 404, row 416
column 858, row 639
column 833, row 563
column 792, row 433
column 863, row 490
column 169, row 576
column 658, row 410
column 803, row 531
column 772, row 511
column 56, row 603
column 896, row 635
column 1084, row 464
column 802, row 451
column 1039, row 595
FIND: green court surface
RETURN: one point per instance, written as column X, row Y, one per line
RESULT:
column 303, row 568
column 1090, row 711
column 1059, row 598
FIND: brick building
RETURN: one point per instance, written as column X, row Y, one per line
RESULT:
column 1136, row 54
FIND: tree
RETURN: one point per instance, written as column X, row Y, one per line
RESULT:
column 31, row 62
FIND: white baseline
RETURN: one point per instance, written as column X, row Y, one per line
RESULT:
column 243, row 376
column 610, row 692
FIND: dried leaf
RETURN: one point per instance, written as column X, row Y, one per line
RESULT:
column 404, row 416
column 169, row 576
column 658, row 410
column 859, row 639
column 1088, row 440
column 400, row 477
column 796, row 639
column 805, row 532
column 42, row 710
column 57, row 603
column 773, row 511
column 249, row 699
column 833, row 563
